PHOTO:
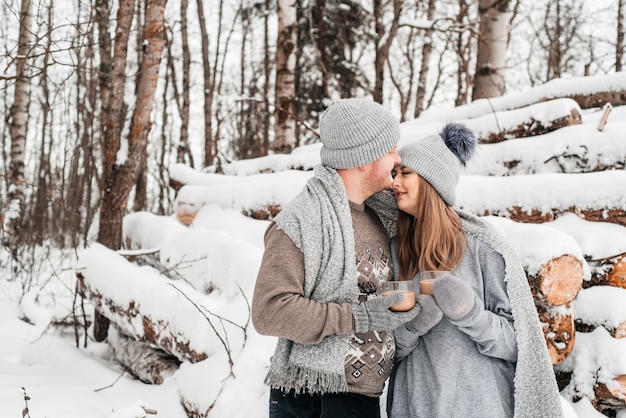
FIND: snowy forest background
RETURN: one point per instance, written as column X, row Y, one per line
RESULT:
column 101, row 99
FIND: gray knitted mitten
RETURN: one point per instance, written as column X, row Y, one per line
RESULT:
column 429, row 316
column 374, row 314
column 454, row 297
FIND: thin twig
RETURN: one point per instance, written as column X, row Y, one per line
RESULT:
column 115, row 381
column 224, row 343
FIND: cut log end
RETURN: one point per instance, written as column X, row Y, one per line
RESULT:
column 186, row 212
column 617, row 274
column 559, row 331
column 559, row 281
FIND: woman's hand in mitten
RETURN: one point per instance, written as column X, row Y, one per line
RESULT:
column 455, row 297
column 429, row 316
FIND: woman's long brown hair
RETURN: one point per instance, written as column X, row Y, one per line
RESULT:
column 434, row 239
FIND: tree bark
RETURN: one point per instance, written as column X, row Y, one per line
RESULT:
column 611, row 396
column 152, row 330
column 493, row 40
column 384, row 39
column 184, row 153
column 284, row 121
column 265, row 146
column 119, row 180
column 463, row 51
column 148, row 364
column 39, row 215
column 609, row 272
column 619, row 46
column 420, row 95
column 18, row 116
column 559, row 331
column 207, row 86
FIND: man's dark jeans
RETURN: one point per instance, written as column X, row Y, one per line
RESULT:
column 330, row 405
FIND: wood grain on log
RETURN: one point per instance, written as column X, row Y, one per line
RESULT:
column 559, row 331
column 559, row 281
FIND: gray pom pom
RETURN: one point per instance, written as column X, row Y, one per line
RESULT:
column 460, row 140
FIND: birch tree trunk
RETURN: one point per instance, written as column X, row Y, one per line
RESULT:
column 284, row 119
column 492, row 45
column 13, row 215
column 120, row 179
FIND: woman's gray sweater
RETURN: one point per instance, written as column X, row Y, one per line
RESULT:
column 471, row 368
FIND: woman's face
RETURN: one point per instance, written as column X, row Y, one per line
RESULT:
column 406, row 188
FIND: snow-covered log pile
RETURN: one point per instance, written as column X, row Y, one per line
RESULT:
column 544, row 175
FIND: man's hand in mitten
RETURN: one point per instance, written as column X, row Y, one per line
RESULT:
column 455, row 297
column 374, row 314
column 429, row 316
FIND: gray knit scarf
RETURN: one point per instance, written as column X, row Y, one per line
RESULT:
column 536, row 390
column 319, row 223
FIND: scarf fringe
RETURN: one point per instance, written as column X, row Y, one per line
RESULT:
column 305, row 380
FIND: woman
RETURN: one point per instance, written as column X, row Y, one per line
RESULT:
column 476, row 349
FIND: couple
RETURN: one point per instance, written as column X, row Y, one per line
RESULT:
column 473, row 349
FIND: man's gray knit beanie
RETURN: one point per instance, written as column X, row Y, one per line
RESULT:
column 355, row 132
column 439, row 158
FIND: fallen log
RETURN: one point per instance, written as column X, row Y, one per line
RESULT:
column 152, row 331
column 611, row 395
column 593, row 366
column 117, row 289
column 559, row 331
column 541, row 198
column 531, row 120
column 617, row 273
column 148, row 364
column 262, row 195
column 610, row 271
column 603, row 245
column 497, row 126
column 526, row 198
column 588, row 92
column 203, row 257
column 573, row 149
column 558, row 282
column 592, row 311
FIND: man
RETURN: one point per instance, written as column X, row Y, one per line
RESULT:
column 326, row 255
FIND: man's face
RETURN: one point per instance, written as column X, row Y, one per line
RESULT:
column 379, row 171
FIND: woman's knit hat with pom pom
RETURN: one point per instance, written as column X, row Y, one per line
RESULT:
column 439, row 158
